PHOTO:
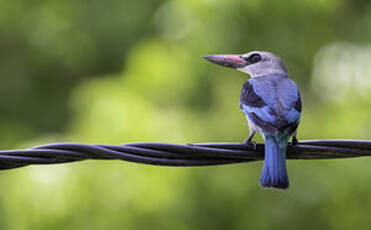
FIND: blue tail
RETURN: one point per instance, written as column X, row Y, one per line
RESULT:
column 274, row 173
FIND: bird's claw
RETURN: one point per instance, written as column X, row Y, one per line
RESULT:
column 251, row 144
column 294, row 141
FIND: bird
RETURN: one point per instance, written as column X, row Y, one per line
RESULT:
column 272, row 105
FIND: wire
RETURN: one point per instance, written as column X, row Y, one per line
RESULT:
column 203, row 154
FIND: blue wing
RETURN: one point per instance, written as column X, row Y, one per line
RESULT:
column 272, row 102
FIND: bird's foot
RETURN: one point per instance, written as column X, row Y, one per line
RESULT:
column 251, row 144
column 294, row 141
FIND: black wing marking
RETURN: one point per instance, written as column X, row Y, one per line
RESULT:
column 262, row 124
column 297, row 105
column 276, row 127
column 249, row 97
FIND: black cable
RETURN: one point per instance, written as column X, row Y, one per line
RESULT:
column 178, row 155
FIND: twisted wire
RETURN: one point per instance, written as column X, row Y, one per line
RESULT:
column 203, row 154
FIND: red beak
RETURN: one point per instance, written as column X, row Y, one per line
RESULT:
column 231, row 61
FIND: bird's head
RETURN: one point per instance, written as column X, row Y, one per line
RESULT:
column 255, row 63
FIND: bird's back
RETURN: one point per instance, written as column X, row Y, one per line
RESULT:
column 278, row 92
column 276, row 104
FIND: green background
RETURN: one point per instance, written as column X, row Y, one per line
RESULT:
column 119, row 71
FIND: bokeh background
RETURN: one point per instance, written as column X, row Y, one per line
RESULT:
column 120, row 71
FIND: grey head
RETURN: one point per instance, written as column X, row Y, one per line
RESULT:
column 254, row 63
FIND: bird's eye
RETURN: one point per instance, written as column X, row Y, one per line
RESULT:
column 254, row 58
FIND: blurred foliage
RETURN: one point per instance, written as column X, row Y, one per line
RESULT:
column 130, row 71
